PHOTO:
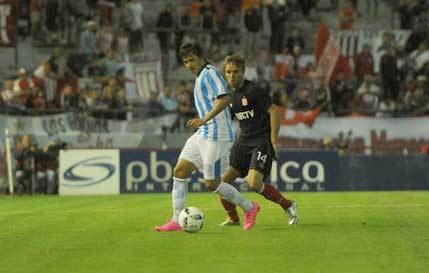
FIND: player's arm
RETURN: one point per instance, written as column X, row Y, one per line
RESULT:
column 275, row 124
column 218, row 106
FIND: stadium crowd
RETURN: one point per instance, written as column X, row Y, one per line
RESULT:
column 277, row 53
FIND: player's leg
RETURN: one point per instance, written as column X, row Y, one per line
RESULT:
column 239, row 162
column 215, row 157
column 231, row 209
column 182, row 171
column 260, row 167
column 189, row 161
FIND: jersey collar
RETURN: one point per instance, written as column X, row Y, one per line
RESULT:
column 202, row 68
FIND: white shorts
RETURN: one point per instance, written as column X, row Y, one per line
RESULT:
column 210, row 157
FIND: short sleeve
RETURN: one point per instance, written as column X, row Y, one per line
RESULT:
column 263, row 98
column 217, row 83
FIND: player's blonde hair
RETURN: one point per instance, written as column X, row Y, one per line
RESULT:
column 236, row 59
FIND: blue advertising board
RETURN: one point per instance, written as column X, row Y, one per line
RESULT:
column 152, row 171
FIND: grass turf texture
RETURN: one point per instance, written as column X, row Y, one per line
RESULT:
column 373, row 232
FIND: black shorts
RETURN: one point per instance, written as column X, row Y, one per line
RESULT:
column 259, row 157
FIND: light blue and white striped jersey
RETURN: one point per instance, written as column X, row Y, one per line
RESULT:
column 209, row 85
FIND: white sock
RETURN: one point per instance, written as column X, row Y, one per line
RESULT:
column 231, row 194
column 178, row 196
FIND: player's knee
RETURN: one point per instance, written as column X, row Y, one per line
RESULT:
column 180, row 172
column 254, row 184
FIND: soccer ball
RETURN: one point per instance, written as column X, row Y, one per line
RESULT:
column 191, row 219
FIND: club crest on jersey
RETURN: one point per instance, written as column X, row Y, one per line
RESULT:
column 244, row 101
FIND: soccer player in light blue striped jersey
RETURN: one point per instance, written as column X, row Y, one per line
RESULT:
column 208, row 149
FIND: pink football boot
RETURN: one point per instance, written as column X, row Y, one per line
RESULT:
column 250, row 216
column 170, row 226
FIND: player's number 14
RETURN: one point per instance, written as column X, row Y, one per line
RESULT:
column 261, row 157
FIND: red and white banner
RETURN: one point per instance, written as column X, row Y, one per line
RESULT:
column 381, row 134
column 8, row 12
column 329, row 59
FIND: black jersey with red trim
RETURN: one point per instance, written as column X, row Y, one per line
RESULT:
column 249, row 105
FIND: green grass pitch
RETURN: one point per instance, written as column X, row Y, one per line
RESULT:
column 368, row 232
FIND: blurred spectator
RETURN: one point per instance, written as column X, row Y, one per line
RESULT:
column 264, row 66
column 38, row 99
column 104, row 39
column 184, row 101
column 389, row 73
column 303, row 101
column 387, row 42
column 306, row 6
column 364, row 63
column 57, row 64
column 109, row 64
column 7, row 93
column 408, row 11
column 347, row 15
column 208, row 25
column 165, row 24
column 69, row 99
column 296, row 39
column 88, row 41
column 122, row 45
column 419, row 58
column 75, row 64
column 298, row 66
column 416, row 99
column 121, row 104
column 368, row 95
column 183, row 26
column 424, row 150
column 251, row 71
column 283, row 63
column 342, row 94
column 168, row 102
column 322, row 96
column 253, row 23
column 232, row 32
column 386, row 109
column 153, row 106
column 277, row 15
column 372, row 7
column 36, row 10
column 23, row 84
column 328, row 144
column 343, row 143
column 95, row 69
column 24, row 164
column 52, row 9
column 134, row 23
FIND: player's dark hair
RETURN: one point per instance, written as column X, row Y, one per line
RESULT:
column 188, row 49
column 236, row 59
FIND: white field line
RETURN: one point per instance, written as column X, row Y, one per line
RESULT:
column 270, row 206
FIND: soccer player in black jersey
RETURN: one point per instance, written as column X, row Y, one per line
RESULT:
column 253, row 152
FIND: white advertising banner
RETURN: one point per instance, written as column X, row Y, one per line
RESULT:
column 89, row 172
column 409, row 133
